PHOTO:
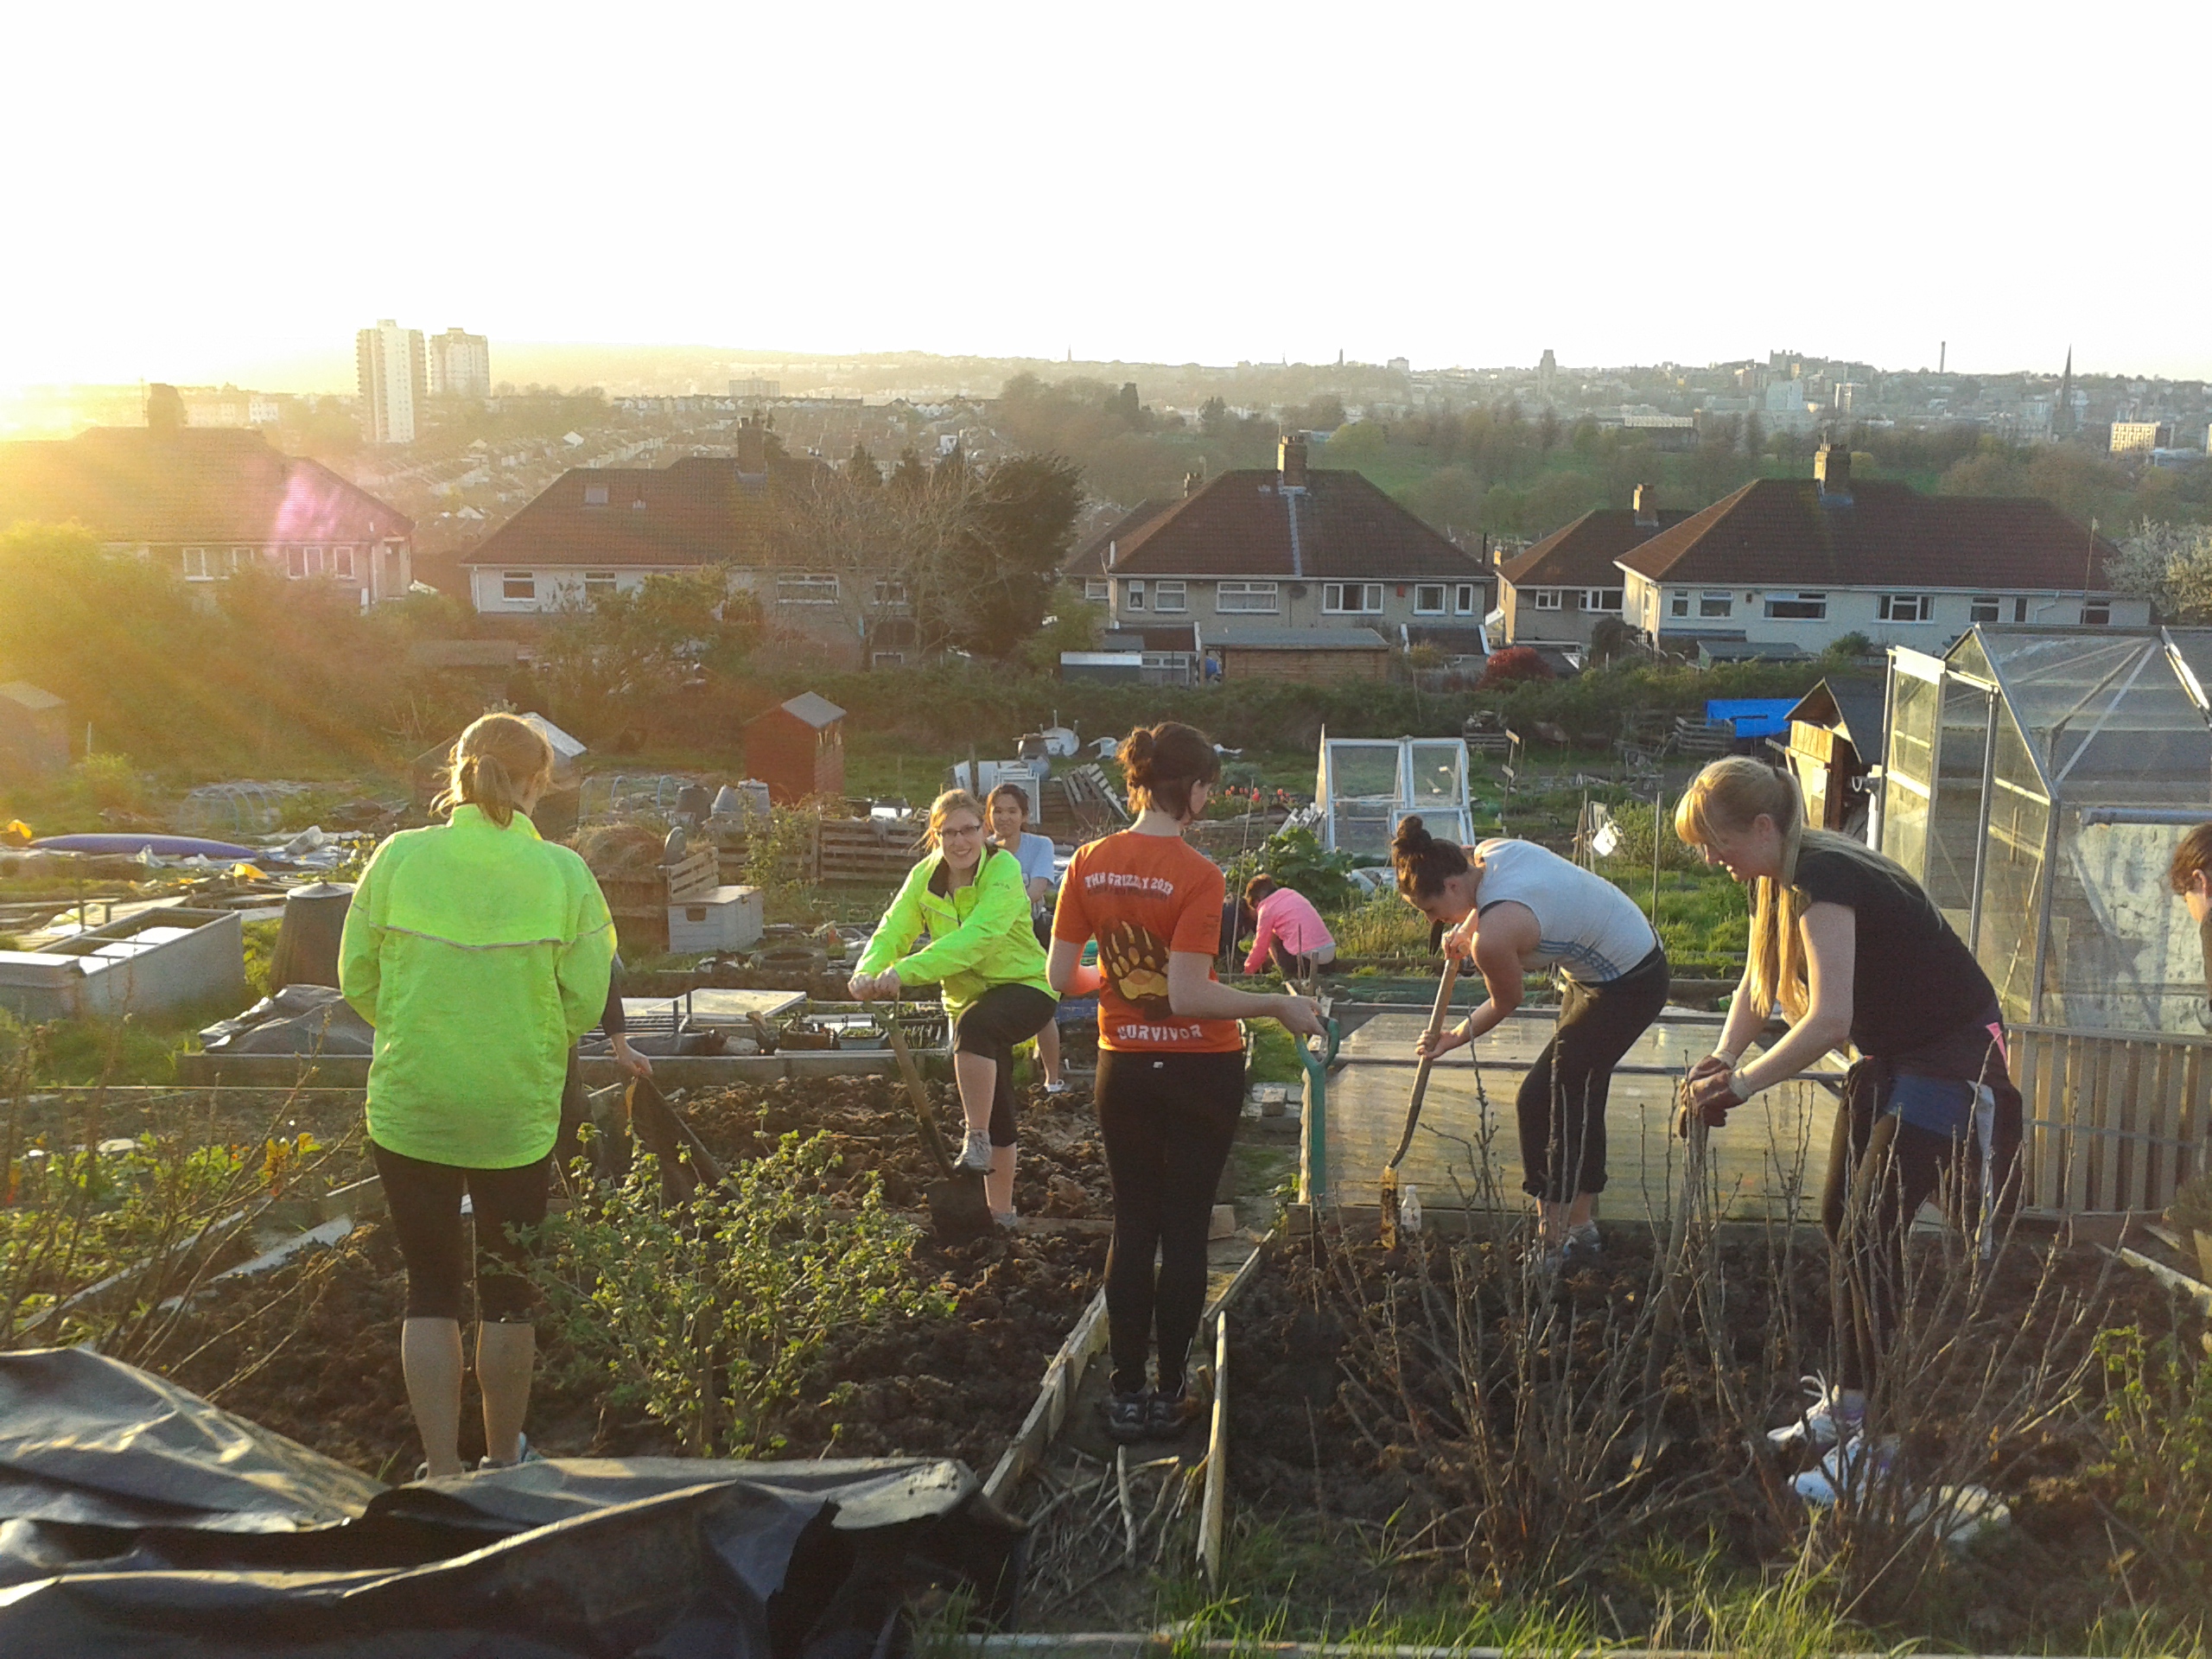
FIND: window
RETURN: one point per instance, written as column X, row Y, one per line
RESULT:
column 1548, row 599
column 519, row 585
column 241, row 558
column 1718, row 605
column 2096, row 613
column 2020, row 608
column 1132, row 596
column 1602, row 599
column 341, row 562
column 1678, row 604
column 1428, row 599
column 313, row 560
column 805, row 587
column 1465, row 598
column 1246, row 598
column 1171, row 596
column 195, row 564
column 886, row 658
column 296, row 563
column 889, row 593
column 1906, row 607
column 594, row 495
column 1797, row 607
column 1352, row 598
column 1984, row 607
column 598, row 585
column 1098, row 588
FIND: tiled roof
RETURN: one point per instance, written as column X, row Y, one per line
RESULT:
column 217, row 486
column 1776, row 533
column 1581, row 555
column 1088, row 558
column 1240, row 524
column 696, row 511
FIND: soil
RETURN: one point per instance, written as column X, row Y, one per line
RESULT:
column 312, row 1349
column 1348, row 1410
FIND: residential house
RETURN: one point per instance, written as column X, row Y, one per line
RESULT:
column 206, row 503
column 604, row 530
column 1291, row 553
column 1800, row 562
column 1087, row 567
column 1555, row 592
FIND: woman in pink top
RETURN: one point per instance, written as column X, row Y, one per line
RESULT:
column 1287, row 930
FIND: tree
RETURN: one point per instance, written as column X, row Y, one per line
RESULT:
column 910, row 475
column 1358, row 441
column 2171, row 565
column 1511, row 667
column 1548, row 431
column 1213, row 418
column 638, row 645
column 861, row 470
column 1071, row 623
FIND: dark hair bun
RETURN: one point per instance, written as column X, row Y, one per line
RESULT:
column 1412, row 838
column 1135, row 755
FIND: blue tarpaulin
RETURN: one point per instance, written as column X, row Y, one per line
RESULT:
column 1751, row 716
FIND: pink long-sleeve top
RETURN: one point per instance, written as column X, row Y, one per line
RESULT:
column 1288, row 915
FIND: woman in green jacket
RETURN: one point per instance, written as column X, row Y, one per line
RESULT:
column 479, row 953
column 970, row 897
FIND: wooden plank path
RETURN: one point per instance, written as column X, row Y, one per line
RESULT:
column 1757, row 1159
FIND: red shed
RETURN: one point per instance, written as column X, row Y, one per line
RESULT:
column 797, row 749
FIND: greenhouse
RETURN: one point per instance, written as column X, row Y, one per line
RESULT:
column 1366, row 786
column 2036, row 781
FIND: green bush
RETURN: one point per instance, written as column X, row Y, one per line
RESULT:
column 710, row 1313
column 1295, row 857
column 2158, row 1428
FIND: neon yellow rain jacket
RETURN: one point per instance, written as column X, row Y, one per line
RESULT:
column 979, row 937
column 479, row 954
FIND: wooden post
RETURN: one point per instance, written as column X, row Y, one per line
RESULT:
column 1213, row 1512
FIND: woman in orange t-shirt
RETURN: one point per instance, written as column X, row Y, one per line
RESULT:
column 1171, row 1060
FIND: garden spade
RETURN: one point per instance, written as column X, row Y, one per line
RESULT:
column 1693, row 1125
column 959, row 1208
column 1413, row 1107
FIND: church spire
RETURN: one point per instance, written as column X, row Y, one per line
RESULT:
column 2064, row 423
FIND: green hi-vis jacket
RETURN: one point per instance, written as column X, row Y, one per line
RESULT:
column 979, row 937
column 479, row 954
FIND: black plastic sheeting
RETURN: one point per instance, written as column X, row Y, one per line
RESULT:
column 298, row 1020
column 137, row 1518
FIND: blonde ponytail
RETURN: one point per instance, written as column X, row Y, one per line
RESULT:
column 494, row 764
column 1727, row 796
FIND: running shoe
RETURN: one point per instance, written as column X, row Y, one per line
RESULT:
column 525, row 1453
column 975, row 1152
column 1169, row 1414
column 1583, row 1247
column 1060, row 1087
column 1852, row 1465
column 1829, row 1419
column 1129, row 1416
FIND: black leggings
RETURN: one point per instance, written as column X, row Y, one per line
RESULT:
column 990, row 1026
column 1561, row 1104
column 424, row 1199
column 1882, row 1170
column 1167, row 1121
column 1292, row 966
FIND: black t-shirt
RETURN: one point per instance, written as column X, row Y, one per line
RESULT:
column 1914, row 980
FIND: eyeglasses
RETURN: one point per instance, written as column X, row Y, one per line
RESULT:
column 952, row 829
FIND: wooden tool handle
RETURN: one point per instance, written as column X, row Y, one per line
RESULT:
column 930, row 1140
column 1421, row 1074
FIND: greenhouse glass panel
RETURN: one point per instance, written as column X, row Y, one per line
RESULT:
column 1916, row 704
column 1366, row 786
column 1954, row 813
column 2012, row 882
column 2123, row 952
column 1437, row 774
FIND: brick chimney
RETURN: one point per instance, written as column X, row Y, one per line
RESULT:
column 752, row 447
column 1832, row 471
column 1194, row 482
column 1291, row 461
column 1647, row 507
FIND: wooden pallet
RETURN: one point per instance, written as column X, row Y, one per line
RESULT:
column 2116, row 1120
column 872, row 850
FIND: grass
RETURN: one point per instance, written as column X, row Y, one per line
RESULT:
column 141, row 1049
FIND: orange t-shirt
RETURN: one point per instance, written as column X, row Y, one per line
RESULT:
column 1141, row 896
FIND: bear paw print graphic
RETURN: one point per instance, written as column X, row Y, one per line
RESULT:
column 1136, row 964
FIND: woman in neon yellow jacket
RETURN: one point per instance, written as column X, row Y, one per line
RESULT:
column 970, row 897
column 479, row 953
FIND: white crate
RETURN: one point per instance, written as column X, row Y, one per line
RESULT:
column 729, row 919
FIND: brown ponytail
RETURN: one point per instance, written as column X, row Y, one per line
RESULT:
column 1424, row 864
column 1162, row 762
column 494, row 764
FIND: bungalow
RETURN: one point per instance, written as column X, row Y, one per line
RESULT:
column 1278, row 554
column 1555, row 592
column 208, row 502
column 1800, row 562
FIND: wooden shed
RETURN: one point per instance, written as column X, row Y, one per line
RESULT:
column 797, row 749
column 1835, row 737
column 34, row 730
column 1306, row 654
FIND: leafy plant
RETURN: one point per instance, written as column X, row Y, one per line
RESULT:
column 1295, row 857
column 711, row 1312
column 2158, row 1424
column 2192, row 1205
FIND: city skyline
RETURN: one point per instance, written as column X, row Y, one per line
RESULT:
column 1458, row 186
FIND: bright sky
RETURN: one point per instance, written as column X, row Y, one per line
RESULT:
column 227, row 191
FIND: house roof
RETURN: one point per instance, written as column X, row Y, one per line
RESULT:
column 1850, row 705
column 1088, row 558
column 1300, row 639
column 698, row 510
column 24, row 695
column 1777, row 533
column 1171, row 636
column 1581, row 554
column 1241, row 524
column 215, row 485
column 816, row 710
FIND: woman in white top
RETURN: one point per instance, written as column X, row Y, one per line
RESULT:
column 1518, row 906
column 1009, row 810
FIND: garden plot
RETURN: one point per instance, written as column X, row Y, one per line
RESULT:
column 951, row 1367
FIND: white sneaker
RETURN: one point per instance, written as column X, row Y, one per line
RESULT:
column 1060, row 1087
column 1830, row 1418
column 975, row 1153
column 1850, row 1464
